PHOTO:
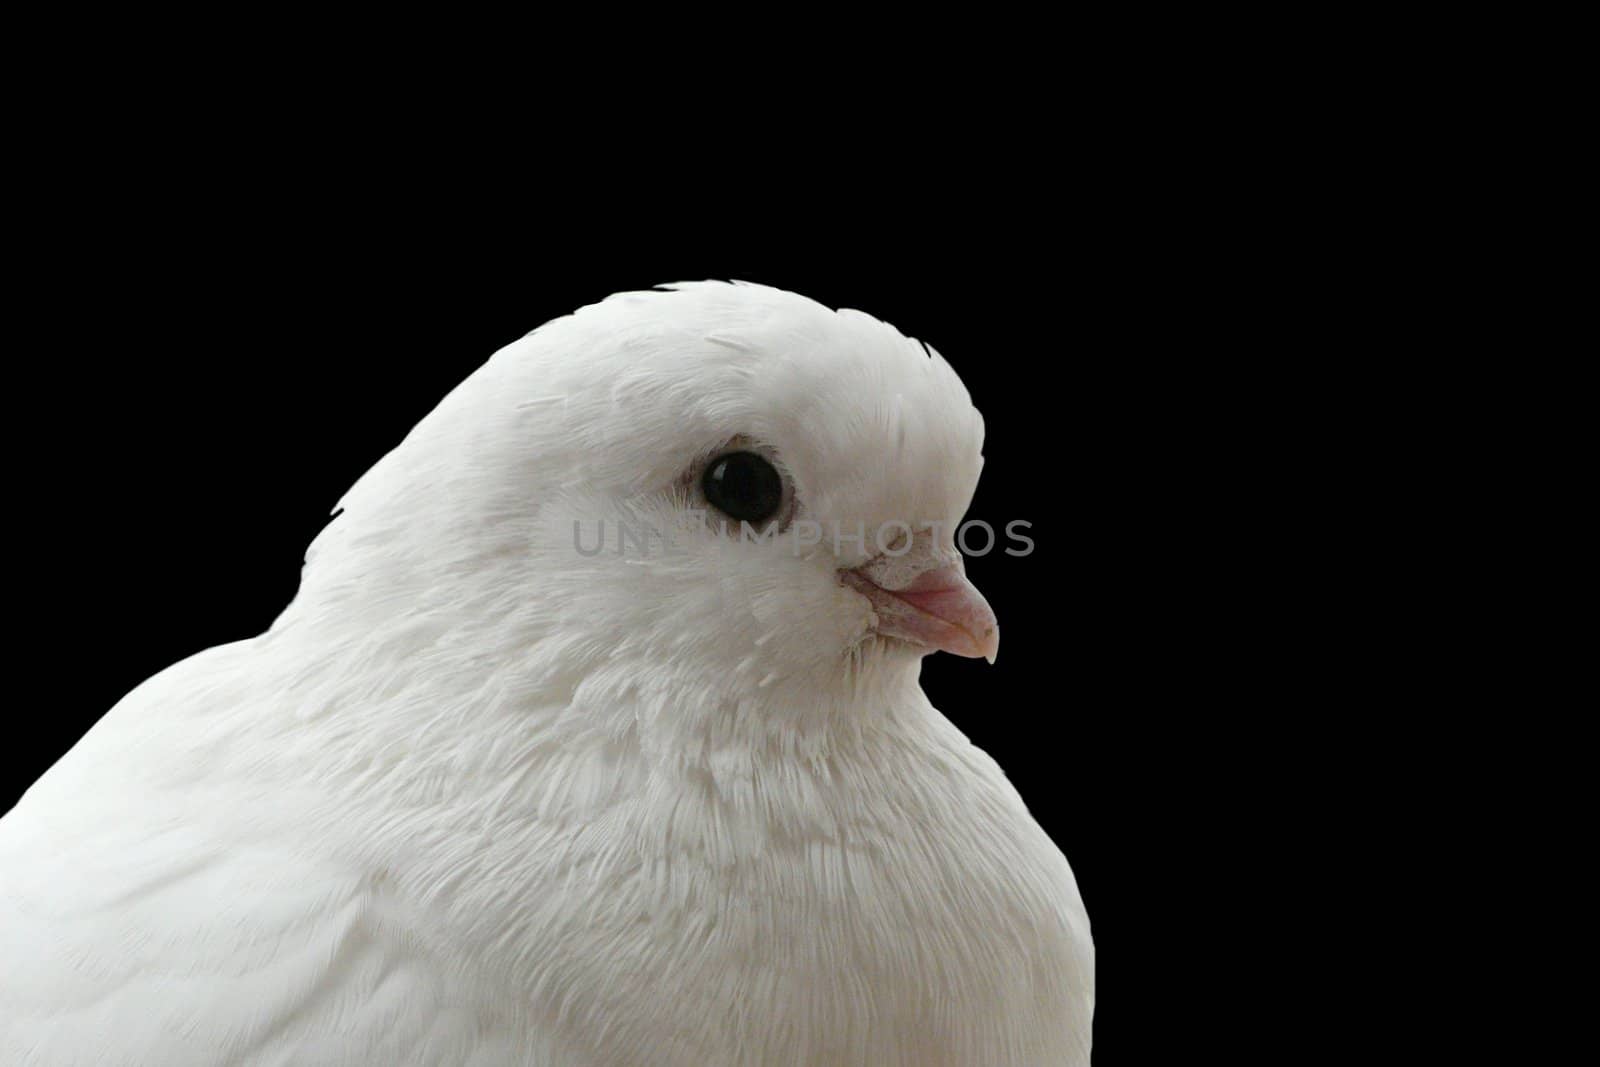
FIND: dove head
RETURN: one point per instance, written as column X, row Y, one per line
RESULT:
column 717, row 494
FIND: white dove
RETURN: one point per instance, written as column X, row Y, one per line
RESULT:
column 493, row 790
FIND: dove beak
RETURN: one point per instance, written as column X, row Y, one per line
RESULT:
column 938, row 608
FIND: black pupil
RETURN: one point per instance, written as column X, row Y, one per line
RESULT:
column 744, row 486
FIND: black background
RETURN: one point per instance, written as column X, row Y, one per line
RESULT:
column 227, row 336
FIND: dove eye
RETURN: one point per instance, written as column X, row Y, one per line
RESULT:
column 743, row 486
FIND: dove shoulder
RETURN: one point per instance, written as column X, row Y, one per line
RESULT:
column 149, row 915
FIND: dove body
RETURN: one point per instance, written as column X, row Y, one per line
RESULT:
column 479, row 798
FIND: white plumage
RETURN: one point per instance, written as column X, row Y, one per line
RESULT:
column 480, row 798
